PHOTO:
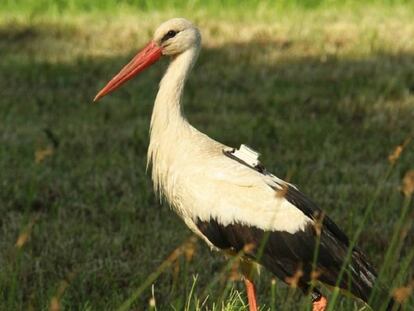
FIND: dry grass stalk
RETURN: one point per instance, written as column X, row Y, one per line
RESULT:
column 249, row 248
column 293, row 281
column 401, row 294
column 54, row 304
column 318, row 223
column 282, row 192
column 25, row 234
column 42, row 154
column 234, row 274
column 393, row 157
column 190, row 248
column 315, row 275
column 55, row 301
column 408, row 183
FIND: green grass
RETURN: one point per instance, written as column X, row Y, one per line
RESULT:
column 224, row 8
column 325, row 93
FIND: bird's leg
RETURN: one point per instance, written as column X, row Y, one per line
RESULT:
column 247, row 270
column 251, row 294
column 319, row 302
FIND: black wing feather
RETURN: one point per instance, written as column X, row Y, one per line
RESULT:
column 284, row 253
column 310, row 209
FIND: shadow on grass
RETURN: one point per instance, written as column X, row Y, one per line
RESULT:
column 326, row 122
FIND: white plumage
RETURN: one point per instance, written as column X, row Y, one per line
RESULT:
column 194, row 175
column 226, row 197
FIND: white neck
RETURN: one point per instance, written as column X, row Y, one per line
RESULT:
column 167, row 107
column 168, row 124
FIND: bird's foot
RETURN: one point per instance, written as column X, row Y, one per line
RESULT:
column 320, row 304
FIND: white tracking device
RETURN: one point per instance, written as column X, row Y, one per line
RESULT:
column 247, row 155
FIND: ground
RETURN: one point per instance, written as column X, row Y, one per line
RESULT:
column 326, row 94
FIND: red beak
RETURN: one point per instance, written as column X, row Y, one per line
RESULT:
column 145, row 58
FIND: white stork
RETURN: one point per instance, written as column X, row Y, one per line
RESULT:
column 226, row 196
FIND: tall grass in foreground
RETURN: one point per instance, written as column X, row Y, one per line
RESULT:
column 230, row 299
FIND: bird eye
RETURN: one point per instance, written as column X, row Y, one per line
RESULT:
column 168, row 35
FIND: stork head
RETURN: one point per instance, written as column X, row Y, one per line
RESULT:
column 176, row 36
column 172, row 38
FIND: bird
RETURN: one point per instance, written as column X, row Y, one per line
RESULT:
column 228, row 198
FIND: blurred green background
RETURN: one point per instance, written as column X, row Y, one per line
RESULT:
column 323, row 89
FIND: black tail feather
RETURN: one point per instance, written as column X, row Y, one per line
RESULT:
column 365, row 279
column 363, row 275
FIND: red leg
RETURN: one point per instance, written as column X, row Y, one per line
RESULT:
column 320, row 304
column 251, row 294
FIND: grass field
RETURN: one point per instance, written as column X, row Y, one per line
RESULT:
column 325, row 91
